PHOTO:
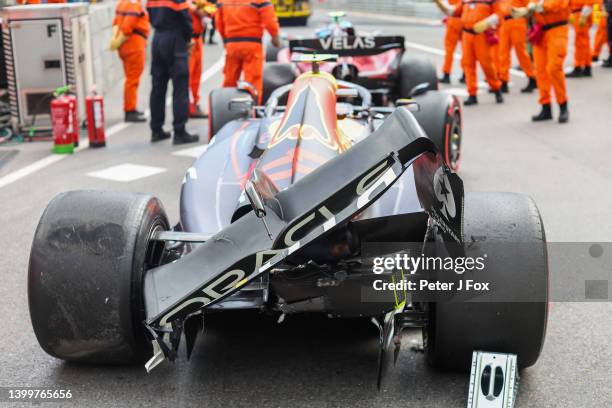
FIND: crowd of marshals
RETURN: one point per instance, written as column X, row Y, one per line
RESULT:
column 489, row 29
column 177, row 49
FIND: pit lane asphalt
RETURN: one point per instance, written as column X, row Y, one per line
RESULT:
column 312, row 362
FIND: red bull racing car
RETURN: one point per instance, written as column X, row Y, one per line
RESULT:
column 283, row 214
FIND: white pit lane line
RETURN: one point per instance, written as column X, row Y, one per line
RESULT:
column 193, row 152
column 54, row 158
column 38, row 165
column 124, row 173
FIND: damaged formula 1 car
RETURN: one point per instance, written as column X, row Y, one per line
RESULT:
column 275, row 216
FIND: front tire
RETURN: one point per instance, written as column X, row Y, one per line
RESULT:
column 85, row 275
column 508, row 228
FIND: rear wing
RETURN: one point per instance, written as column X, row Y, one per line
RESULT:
column 347, row 46
column 319, row 203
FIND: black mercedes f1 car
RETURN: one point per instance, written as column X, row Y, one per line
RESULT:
column 284, row 213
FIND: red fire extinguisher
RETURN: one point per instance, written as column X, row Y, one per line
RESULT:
column 64, row 121
column 74, row 129
column 94, row 106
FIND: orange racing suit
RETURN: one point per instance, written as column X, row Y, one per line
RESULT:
column 451, row 38
column 133, row 20
column 582, row 46
column 601, row 35
column 475, row 46
column 513, row 34
column 241, row 24
column 195, row 59
column 549, row 53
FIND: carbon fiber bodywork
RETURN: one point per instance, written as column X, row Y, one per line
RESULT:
column 326, row 194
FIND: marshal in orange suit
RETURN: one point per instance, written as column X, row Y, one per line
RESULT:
column 451, row 39
column 550, row 41
column 582, row 20
column 241, row 24
column 195, row 59
column 513, row 35
column 479, row 19
column 601, row 35
column 130, row 31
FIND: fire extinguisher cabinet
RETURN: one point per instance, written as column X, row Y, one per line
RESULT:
column 46, row 47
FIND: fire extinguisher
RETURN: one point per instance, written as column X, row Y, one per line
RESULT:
column 64, row 121
column 94, row 106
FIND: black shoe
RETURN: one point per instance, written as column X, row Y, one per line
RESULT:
column 499, row 98
column 462, row 79
column 445, row 79
column 595, row 58
column 607, row 63
column 575, row 73
column 545, row 114
column 471, row 100
column 183, row 137
column 135, row 116
column 531, row 86
column 587, row 72
column 504, row 87
column 563, row 113
column 159, row 135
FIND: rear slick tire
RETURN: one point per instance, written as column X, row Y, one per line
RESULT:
column 440, row 117
column 456, row 329
column 413, row 71
column 219, row 108
column 85, row 275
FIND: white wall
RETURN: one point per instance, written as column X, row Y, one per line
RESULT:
column 108, row 71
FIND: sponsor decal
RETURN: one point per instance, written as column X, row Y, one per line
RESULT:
column 345, row 46
column 361, row 192
column 216, row 288
column 444, row 194
column 347, row 43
